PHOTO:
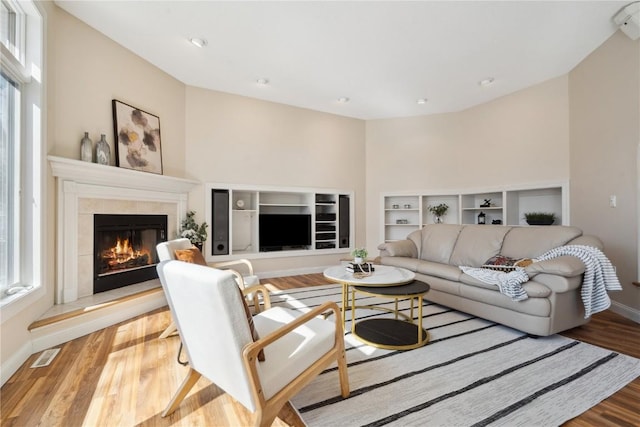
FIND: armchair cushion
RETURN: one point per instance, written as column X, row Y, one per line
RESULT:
column 290, row 355
column 191, row 255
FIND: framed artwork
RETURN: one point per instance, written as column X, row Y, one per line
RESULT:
column 137, row 136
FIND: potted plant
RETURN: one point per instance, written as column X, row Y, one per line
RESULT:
column 540, row 218
column 359, row 255
column 438, row 212
column 190, row 229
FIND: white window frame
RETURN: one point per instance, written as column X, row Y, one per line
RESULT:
column 23, row 64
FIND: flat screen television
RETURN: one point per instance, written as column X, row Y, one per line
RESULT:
column 281, row 231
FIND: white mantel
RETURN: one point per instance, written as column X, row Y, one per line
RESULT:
column 84, row 189
column 111, row 176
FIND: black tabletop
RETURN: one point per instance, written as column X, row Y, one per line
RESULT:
column 413, row 288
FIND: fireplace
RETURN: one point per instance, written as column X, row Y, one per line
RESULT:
column 125, row 249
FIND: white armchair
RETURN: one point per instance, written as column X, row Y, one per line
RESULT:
column 166, row 251
column 297, row 347
column 250, row 283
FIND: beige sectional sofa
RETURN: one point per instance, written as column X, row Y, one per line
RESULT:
column 554, row 304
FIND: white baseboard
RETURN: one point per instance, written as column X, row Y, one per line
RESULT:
column 625, row 311
column 14, row 362
column 60, row 332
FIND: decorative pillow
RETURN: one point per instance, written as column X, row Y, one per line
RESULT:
column 192, row 255
column 252, row 327
column 504, row 263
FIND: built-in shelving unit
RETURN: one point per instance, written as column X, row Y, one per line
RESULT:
column 326, row 223
column 407, row 212
column 300, row 221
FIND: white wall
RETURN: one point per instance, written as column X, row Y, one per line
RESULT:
column 238, row 140
column 605, row 136
column 87, row 71
column 522, row 138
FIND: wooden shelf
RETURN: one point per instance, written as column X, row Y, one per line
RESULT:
column 509, row 206
column 322, row 205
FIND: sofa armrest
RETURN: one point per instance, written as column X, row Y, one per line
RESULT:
column 559, row 284
column 402, row 248
column 587, row 240
column 565, row 266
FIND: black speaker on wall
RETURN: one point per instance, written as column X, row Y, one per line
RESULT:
column 220, row 222
column 343, row 221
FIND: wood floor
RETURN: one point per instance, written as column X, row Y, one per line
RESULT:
column 124, row 376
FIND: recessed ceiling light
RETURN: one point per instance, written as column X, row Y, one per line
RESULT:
column 198, row 41
column 422, row 101
column 343, row 100
column 486, row 82
column 262, row 82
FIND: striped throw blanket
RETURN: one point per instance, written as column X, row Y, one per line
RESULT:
column 509, row 284
column 599, row 277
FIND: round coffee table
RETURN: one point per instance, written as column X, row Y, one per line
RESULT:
column 393, row 334
column 383, row 275
column 385, row 282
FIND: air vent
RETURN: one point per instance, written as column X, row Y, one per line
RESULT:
column 46, row 358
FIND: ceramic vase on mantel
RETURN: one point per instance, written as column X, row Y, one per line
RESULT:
column 103, row 152
column 86, row 148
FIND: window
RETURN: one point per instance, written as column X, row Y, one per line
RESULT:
column 9, row 202
column 20, row 148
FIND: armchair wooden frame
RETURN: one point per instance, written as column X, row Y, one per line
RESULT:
column 224, row 265
column 267, row 409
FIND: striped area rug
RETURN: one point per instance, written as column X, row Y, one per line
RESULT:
column 472, row 373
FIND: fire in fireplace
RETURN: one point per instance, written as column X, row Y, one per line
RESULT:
column 125, row 249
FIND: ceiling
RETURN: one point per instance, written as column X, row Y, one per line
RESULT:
column 383, row 56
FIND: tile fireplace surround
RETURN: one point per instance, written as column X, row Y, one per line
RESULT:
column 85, row 189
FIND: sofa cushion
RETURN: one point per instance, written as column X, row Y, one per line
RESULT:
column 438, row 241
column 439, row 284
column 530, row 242
column 533, row 306
column 436, row 269
column 532, row 288
column 477, row 243
column 403, row 262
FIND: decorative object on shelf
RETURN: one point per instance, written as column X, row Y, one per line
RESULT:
column 482, row 218
column 240, row 204
column 486, row 204
column 438, row 212
column 407, row 206
column 137, row 135
column 359, row 255
column 402, row 221
column 540, row 218
column 103, row 151
column 86, row 148
column 189, row 228
column 395, row 206
column 496, row 222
